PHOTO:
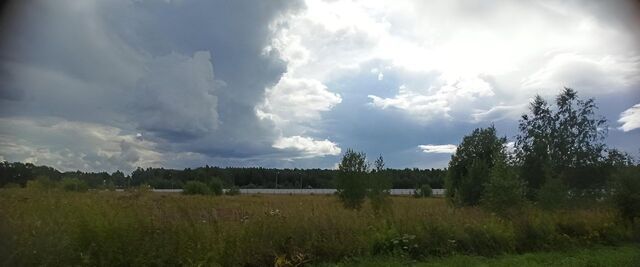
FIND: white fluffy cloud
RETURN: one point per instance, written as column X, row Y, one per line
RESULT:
column 425, row 105
column 630, row 118
column 593, row 74
column 307, row 146
column 294, row 100
column 446, row 149
column 479, row 55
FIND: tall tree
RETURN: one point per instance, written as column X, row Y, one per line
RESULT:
column 567, row 141
column 379, row 186
column 533, row 145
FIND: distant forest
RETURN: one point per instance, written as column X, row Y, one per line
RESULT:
column 160, row 178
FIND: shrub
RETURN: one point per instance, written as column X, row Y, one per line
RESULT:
column 73, row 185
column 351, row 182
column 470, row 166
column 215, row 185
column 196, row 188
column 504, row 191
column 379, row 187
column 626, row 195
column 41, row 183
column 553, row 194
column 110, row 186
column 233, row 191
column 504, row 194
column 423, row 191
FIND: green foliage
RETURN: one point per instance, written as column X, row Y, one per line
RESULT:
column 41, row 183
column 215, row 186
column 351, row 183
column 505, row 191
column 110, row 186
column 424, row 190
column 103, row 228
column 553, row 194
column 470, row 166
column 627, row 192
column 74, row 185
column 233, row 191
column 565, row 141
column 628, row 255
column 379, row 187
column 196, row 188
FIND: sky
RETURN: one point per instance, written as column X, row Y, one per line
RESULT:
column 119, row 84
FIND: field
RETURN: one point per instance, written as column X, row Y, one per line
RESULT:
column 55, row 228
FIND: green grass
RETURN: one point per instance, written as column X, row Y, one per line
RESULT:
column 55, row 228
column 628, row 255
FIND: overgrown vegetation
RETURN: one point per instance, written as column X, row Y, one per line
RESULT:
column 137, row 228
column 423, row 191
column 196, row 188
column 559, row 159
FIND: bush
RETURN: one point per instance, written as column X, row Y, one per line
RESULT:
column 503, row 193
column 41, row 183
column 233, row 191
column 379, row 188
column 626, row 195
column 351, row 181
column 215, row 185
column 74, row 185
column 471, row 164
column 553, row 194
column 196, row 188
column 423, row 191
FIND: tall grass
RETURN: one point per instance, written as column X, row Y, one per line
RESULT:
column 144, row 228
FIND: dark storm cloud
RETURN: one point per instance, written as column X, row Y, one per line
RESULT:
column 186, row 75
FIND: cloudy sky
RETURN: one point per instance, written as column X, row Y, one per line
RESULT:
column 106, row 85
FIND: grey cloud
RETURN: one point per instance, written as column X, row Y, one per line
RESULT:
column 144, row 66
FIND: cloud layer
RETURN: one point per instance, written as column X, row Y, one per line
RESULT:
column 291, row 84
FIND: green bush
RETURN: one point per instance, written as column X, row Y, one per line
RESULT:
column 627, row 192
column 470, row 166
column 73, row 185
column 379, row 188
column 40, row 183
column 505, row 191
column 233, row 191
column 553, row 194
column 196, row 188
column 215, row 186
column 503, row 194
column 424, row 190
column 351, row 181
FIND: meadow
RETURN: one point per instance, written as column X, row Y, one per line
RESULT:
column 137, row 228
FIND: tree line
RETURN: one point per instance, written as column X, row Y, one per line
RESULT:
column 18, row 174
column 559, row 157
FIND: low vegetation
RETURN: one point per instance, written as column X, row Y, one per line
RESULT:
column 142, row 228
